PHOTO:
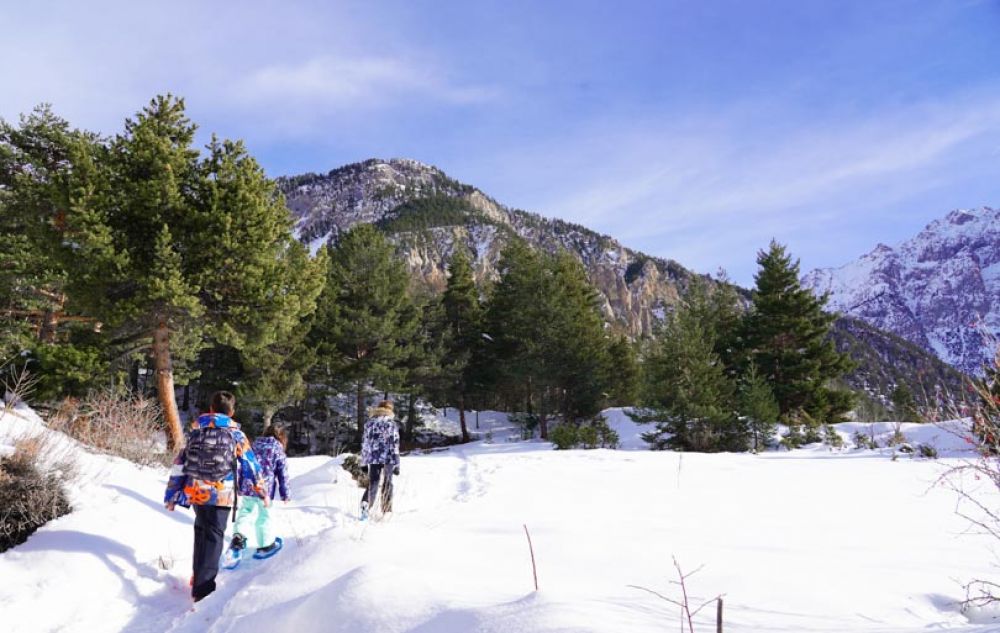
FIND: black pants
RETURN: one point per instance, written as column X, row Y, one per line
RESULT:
column 375, row 472
column 209, row 539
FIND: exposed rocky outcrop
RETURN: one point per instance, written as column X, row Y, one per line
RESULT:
column 635, row 288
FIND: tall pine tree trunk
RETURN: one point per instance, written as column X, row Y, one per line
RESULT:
column 361, row 408
column 133, row 376
column 49, row 327
column 411, row 416
column 165, row 386
column 461, row 417
column 528, row 401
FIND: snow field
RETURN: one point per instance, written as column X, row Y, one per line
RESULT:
column 809, row 540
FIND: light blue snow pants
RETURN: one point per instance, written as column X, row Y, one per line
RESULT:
column 247, row 525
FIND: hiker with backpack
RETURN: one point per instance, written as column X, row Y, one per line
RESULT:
column 380, row 452
column 254, row 516
column 206, row 474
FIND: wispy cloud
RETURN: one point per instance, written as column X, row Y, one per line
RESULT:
column 332, row 62
column 358, row 82
column 710, row 194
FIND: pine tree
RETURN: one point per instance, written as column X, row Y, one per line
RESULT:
column 546, row 342
column 463, row 324
column 688, row 393
column 758, row 406
column 577, row 356
column 258, row 283
column 46, row 169
column 787, row 337
column 274, row 376
column 358, row 323
column 623, row 374
column 517, row 331
column 903, row 406
column 724, row 311
column 173, row 253
column 419, row 370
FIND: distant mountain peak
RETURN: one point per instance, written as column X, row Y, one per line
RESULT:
column 940, row 289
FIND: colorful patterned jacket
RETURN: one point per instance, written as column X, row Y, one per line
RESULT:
column 186, row 491
column 380, row 442
column 273, row 465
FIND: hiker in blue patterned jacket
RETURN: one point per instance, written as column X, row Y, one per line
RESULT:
column 269, row 449
column 204, row 476
column 380, row 452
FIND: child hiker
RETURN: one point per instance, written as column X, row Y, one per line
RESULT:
column 380, row 452
column 204, row 475
column 270, row 451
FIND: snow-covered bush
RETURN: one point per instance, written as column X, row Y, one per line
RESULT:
column 864, row 441
column 793, row 438
column 564, row 436
column 589, row 437
column 831, row 438
column 607, row 436
column 595, row 434
column 125, row 425
column 812, row 434
column 32, row 489
column 528, row 423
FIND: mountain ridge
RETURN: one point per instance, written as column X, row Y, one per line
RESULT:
column 636, row 289
column 939, row 289
column 426, row 214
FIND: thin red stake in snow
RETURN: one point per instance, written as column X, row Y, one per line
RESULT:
column 534, row 570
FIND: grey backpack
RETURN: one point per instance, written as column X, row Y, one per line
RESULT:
column 210, row 453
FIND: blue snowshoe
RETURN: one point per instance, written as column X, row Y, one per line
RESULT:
column 270, row 550
column 234, row 553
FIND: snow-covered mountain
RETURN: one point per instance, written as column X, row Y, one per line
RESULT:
column 426, row 213
column 939, row 290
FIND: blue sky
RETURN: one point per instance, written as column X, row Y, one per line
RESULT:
column 694, row 130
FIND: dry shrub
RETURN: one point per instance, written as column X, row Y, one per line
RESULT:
column 976, row 481
column 32, row 492
column 126, row 425
column 16, row 383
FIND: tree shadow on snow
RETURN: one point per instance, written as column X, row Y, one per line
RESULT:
column 177, row 515
column 118, row 558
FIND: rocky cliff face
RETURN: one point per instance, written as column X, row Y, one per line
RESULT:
column 939, row 290
column 405, row 197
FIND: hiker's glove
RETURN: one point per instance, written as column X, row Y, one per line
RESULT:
column 395, row 469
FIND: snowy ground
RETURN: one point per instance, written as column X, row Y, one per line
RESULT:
column 809, row 540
